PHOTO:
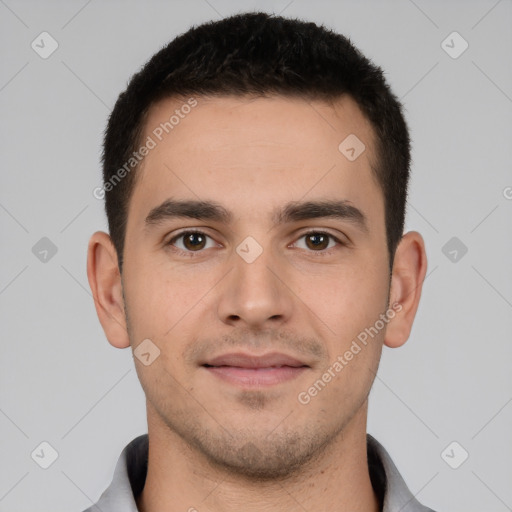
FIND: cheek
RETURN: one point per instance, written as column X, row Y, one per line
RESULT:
column 351, row 307
column 153, row 299
column 347, row 298
column 165, row 303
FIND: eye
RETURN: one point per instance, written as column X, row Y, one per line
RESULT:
column 192, row 241
column 319, row 241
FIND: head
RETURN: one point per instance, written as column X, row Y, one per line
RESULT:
column 251, row 55
column 283, row 147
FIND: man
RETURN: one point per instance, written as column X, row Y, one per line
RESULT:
column 255, row 179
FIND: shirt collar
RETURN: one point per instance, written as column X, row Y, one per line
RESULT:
column 131, row 469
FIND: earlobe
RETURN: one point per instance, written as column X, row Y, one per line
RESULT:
column 409, row 269
column 105, row 282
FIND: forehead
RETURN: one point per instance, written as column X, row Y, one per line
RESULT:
column 243, row 121
column 246, row 152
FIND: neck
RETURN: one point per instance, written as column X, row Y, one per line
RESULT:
column 181, row 479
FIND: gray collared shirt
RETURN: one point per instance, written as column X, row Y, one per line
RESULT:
column 130, row 476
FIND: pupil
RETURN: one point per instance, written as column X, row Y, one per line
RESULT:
column 316, row 237
column 189, row 240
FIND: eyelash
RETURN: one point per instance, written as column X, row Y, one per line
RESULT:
column 319, row 253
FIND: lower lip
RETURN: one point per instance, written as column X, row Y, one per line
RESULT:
column 256, row 376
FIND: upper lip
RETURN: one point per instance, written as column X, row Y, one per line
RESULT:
column 242, row 360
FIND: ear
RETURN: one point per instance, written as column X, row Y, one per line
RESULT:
column 409, row 269
column 105, row 282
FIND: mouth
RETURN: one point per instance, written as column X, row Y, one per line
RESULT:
column 251, row 371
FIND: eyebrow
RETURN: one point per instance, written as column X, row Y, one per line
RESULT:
column 291, row 212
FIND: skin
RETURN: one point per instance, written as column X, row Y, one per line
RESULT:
column 213, row 445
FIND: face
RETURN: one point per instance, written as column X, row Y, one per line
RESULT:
column 264, row 279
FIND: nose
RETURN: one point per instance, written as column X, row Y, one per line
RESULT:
column 256, row 294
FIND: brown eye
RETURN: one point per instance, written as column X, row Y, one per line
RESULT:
column 317, row 241
column 190, row 241
column 194, row 241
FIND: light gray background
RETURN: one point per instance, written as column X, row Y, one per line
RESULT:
column 61, row 382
